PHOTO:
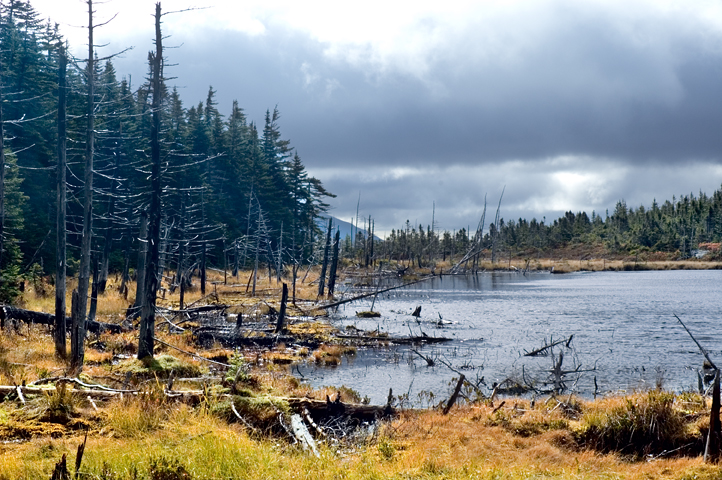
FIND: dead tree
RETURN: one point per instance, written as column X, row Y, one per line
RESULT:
column 712, row 448
column 495, row 236
column 322, row 278
column 281, row 322
column 2, row 172
column 77, row 338
column 61, row 228
column 147, row 322
column 334, row 264
column 142, row 257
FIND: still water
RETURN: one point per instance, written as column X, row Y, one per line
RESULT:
column 623, row 326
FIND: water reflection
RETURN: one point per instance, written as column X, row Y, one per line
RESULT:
column 621, row 321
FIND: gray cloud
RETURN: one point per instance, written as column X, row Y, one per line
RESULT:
column 630, row 97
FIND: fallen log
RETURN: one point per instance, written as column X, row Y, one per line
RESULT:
column 193, row 310
column 371, row 294
column 328, row 408
column 41, row 318
column 397, row 340
column 319, row 408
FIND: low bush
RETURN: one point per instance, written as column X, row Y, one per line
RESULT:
column 643, row 424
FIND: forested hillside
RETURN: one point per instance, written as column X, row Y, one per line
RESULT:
column 227, row 184
column 676, row 227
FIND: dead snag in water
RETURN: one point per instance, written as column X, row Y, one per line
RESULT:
column 701, row 348
column 429, row 361
column 544, row 349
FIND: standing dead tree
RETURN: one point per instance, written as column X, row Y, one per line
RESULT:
column 334, row 264
column 61, row 232
column 495, row 235
column 324, row 266
column 147, row 321
column 77, row 338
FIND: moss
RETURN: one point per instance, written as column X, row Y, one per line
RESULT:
column 160, row 366
column 260, row 412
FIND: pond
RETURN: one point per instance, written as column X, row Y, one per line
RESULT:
column 625, row 334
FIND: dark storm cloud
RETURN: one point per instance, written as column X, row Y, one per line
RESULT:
column 581, row 84
column 617, row 94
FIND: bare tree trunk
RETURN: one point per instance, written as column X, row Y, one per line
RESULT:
column 712, row 449
column 77, row 338
column 258, row 246
column 142, row 267
column 280, row 257
column 94, row 292
column 61, row 234
column 324, row 266
column 496, row 229
column 123, row 288
column 371, row 236
column 147, row 321
column 203, row 251
column 203, row 269
column 2, row 176
column 334, row 265
column 455, row 395
column 235, row 258
column 108, row 244
column 280, row 323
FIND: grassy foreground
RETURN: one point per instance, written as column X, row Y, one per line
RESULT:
column 137, row 440
column 641, row 436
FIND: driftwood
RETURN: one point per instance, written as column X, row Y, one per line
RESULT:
column 302, row 435
column 397, row 340
column 329, row 408
column 429, row 361
column 28, row 316
column 193, row 310
column 318, row 408
column 230, row 336
column 371, row 294
column 543, row 350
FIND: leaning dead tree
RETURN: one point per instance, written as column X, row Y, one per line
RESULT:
column 713, row 446
column 477, row 244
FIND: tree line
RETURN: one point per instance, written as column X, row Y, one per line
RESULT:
column 678, row 227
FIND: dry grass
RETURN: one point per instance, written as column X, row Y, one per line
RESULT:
column 144, row 437
column 226, row 289
column 425, row 445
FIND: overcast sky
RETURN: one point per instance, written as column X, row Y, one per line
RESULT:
column 570, row 104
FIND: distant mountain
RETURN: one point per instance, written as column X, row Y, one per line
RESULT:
column 345, row 228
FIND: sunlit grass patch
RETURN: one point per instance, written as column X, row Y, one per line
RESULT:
column 638, row 425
